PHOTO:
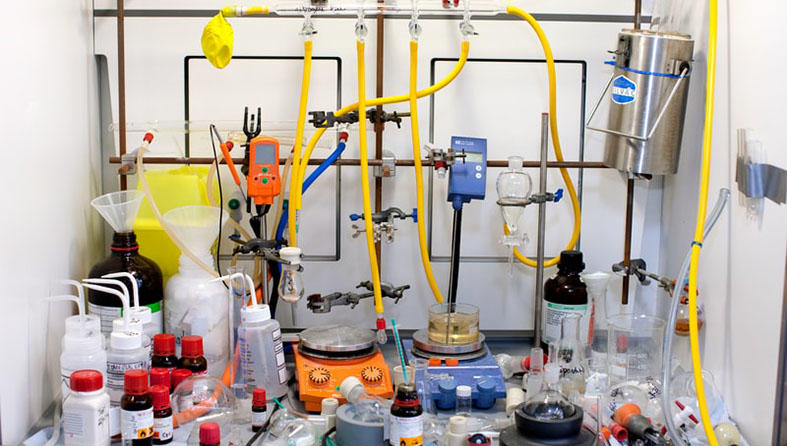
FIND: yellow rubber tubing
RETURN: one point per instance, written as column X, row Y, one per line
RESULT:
column 572, row 193
column 295, row 192
column 367, row 198
column 419, row 179
column 382, row 101
column 710, row 89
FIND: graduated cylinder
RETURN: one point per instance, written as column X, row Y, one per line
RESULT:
column 647, row 102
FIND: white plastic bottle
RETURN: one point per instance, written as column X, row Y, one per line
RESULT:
column 261, row 350
column 83, row 348
column 141, row 312
column 86, row 411
column 136, row 326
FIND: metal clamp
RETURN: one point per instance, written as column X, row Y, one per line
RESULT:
column 387, row 168
column 683, row 75
column 547, row 197
column 757, row 180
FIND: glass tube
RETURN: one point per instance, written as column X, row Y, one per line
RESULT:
column 388, row 7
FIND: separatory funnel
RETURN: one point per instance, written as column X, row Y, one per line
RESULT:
column 513, row 193
column 195, row 305
column 120, row 209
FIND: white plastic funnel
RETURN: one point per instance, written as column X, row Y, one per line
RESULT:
column 196, row 226
column 119, row 209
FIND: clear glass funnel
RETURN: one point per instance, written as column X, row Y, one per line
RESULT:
column 196, row 226
column 514, row 186
column 120, row 208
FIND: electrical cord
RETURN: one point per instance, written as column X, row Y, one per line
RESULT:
column 221, row 200
column 327, row 434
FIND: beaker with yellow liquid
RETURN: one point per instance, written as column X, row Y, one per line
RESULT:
column 453, row 323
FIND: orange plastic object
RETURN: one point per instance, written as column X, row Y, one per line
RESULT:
column 619, row 432
column 605, row 433
column 263, row 181
column 225, row 150
column 625, row 412
column 435, row 362
column 319, row 378
column 451, row 362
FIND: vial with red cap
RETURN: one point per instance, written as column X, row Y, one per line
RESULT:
column 259, row 409
column 86, row 410
column 136, row 409
column 163, row 425
column 160, row 377
column 209, row 434
column 184, row 398
column 164, row 352
column 192, row 355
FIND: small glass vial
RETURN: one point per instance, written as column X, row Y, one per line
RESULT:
column 407, row 418
column 163, row 426
column 259, row 409
column 192, row 355
column 136, row 410
column 209, row 434
column 164, row 352
column 86, row 411
column 464, row 400
column 160, row 377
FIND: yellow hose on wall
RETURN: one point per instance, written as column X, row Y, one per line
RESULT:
column 419, row 179
column 360, row 47
column 295, row 188
column 702, row 210
column 572, row 193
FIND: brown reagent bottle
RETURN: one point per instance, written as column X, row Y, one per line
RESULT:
column 407, row 417
column 136, row 410
column 163, row 426
column 564, row 293
column 191, row 355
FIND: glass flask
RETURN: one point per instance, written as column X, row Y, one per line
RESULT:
column 453, row 323
column 291, row 283
column 550, row 404
column 682, row 322
column 533, row 381
column 570, row 355
column 513, row 190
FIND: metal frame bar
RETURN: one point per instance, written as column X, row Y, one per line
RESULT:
column 338, row 192
column 780, row 413
column 581, row 164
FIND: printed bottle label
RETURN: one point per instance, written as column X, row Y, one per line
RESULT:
column 116, row 370
column 108, row 314
column 85, row 425
column 258, row 419
column 407, row 431
column 136, row 425
column 278, row 350
column 74, row 425
column 554, row 313
column 163, row 428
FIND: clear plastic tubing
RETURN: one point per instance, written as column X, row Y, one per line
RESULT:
column 669, row 332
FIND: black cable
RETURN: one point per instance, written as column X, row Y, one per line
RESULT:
column 221, row 199
column 325, row 437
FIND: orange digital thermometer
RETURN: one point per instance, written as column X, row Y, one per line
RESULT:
column 263, row 181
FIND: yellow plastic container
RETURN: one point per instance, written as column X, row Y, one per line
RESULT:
column 185, row 186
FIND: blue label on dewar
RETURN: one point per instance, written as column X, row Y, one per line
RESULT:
column 624, row 90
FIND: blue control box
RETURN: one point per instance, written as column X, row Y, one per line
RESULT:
column 467, row 176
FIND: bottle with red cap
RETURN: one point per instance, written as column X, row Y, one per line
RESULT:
column 192, row 355
column 184, row 399
column 209, row 434
column 136, row 410
column 164, row 352
column 259, row 409
column 160, row 377
column 86, row 410
column 163, row 425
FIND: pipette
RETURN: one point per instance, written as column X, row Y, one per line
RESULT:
column 399, row 350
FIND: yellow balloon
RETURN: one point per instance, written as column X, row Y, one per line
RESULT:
column 217, row 41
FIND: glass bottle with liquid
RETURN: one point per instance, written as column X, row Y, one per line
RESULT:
column 570, row 355
column 407, row 417
column 550, row 403
column 452, row 323
column 682, row 322
column 564, row 294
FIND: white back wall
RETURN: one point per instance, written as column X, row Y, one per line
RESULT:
column 501, row 102
column 49, row 231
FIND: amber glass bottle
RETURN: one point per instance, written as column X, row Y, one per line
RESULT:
column 407, row 417
column 125, row 257
column 564, row 294
column 136, row 410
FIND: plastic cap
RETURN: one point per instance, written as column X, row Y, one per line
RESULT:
column 164, row 344
column 144, row 314
column 551, row 373
column 160, row 395
column 191, row 346
column 457, row 424
column 209, row 433
column 464, row 391
column 291, row 254
column 82, row 344
column 258, row 397
column 125, row 341
column 159, row 377
column 329, row 406
column 135, row 382
column 571, row 261
column 255, row 313
column 625, row 412
column 179, row 375
column 515, row 162
column 86, row 381
column 119, row 324
column 348, row 385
